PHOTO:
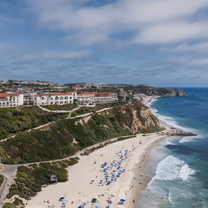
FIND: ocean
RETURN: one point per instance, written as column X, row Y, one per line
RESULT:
column 178, row 166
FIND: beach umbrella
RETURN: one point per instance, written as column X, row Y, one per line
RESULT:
column 96, row 206
column 61, row 198
column 64, row 203
column 122, row 200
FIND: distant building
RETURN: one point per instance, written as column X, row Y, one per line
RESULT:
column 138, row 96
column 53, row 99
column 95, row 97
column 11, row 99
column 122, row 94
column 76, row 88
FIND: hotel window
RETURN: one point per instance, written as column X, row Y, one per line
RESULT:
column 66, row 98
column 61, row 98
column 51, row 98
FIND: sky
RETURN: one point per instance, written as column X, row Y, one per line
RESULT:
column 161, row 43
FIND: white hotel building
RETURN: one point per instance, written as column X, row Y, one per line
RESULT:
column 11, row 100
column 91, row 97
column 53, row 99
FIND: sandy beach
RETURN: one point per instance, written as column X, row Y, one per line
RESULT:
column 147, row 99
column 80, row 189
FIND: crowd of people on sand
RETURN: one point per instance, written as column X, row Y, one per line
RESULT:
column 112, row 171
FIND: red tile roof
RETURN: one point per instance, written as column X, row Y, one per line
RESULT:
column 8, row 95
column 55, row 94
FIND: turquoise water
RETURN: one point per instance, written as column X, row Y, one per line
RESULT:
column 179, row 165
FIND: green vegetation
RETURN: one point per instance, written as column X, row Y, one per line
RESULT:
column 13, row 120
column 18, row 202
column 9, row 205
column 147, row 90
column 30, row 179
column 65, row 137
column 99, row 106
column 1, row 179
column 66, row 107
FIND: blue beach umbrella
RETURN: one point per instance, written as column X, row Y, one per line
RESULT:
column 61, row 198
column 64, row 203
column 122, row 200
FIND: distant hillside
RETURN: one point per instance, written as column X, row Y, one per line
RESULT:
column 154, row 91
column 65, row 137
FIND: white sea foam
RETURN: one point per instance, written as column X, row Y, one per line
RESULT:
column 151, row 101
column 185, row 172
column 168, row 169
column 187, row 139
column 168, row 141
column 170, row 121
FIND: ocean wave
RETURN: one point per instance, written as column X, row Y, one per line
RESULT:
column 187, row 139
column 168, row 142
column 172, row 168
column 168, row 169
column 151, row 101
column 171, row 122
column 185, row 172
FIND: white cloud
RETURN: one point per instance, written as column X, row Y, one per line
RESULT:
column 199, row 48
column 59, row 55
column 199, row 62
column 152, row 21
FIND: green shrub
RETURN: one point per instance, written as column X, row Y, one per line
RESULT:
column 9, row 205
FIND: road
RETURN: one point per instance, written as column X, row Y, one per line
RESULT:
column 10, row 172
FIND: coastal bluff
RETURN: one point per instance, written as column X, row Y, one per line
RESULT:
column 65, row 137
column 154, row 91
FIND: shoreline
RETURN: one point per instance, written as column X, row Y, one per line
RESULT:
column 142, row 178
column 78, row 188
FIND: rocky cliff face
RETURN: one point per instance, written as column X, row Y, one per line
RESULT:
column 164, row 92
column 154, row 91
column 142, row 119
